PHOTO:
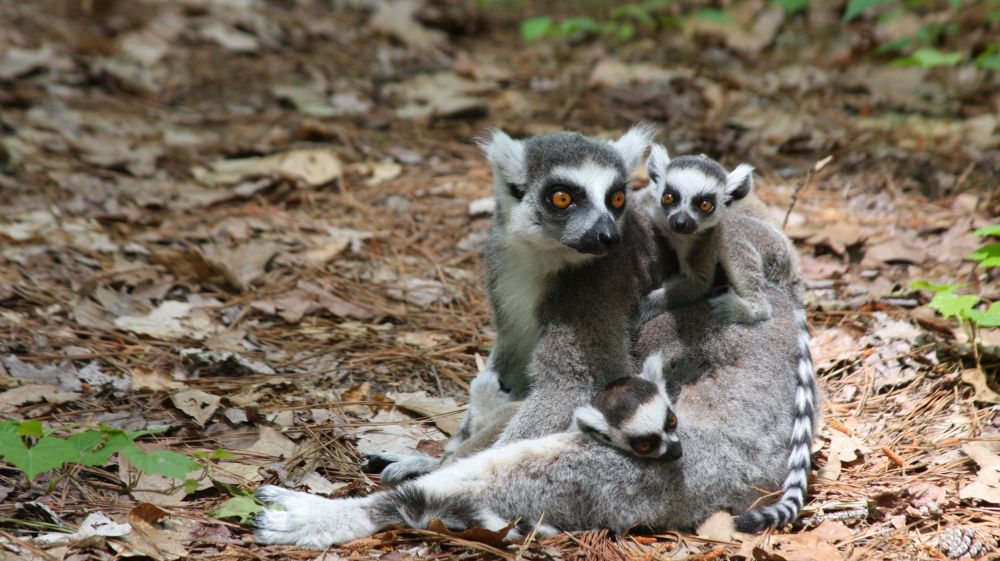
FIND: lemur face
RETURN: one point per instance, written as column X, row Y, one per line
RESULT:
column 692, row 193
column 565, row 192
column 634, row 415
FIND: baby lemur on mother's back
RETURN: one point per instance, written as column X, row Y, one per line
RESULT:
column 717, row 229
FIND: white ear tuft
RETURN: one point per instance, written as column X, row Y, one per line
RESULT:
column 589, row 419
column 739, row 182
column 652, row 369
column 506, row 155
column 658, row 160
column 634, row 146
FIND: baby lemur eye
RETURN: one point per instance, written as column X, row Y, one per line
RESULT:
column 667, row 199
column 644, row 447
column 706, row 206
column 561, row 199
column 618, row 199
column 671, row 423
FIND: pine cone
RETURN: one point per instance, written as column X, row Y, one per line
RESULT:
column 966, row 543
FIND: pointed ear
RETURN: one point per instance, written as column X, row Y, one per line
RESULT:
column 507, row 157
column 658, row 160
column 634, row 146
column 591, row 421
column 739, row 183
column 652, row 369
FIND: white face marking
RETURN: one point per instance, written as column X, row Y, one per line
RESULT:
column 649, row 418
column 689, row 183
column 596, row 181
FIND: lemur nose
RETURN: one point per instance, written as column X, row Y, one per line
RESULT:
column 608, row 238
column 683, row 224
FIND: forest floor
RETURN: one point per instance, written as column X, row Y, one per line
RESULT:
column 258, row 225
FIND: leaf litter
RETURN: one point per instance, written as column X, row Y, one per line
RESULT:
column 280, row 258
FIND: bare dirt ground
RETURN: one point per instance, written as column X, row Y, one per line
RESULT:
column 258, row 226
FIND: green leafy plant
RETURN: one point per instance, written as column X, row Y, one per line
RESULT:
column 243, row 506
column 971, row 310
column 791, row 7
column 857, row 7
column 621, row 25
column 930, row 58
column 33, row 450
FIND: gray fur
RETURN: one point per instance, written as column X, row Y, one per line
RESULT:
column 751, row 251
column 734, row 409
column 540, row 262
column 732, row 448
column 634, row 415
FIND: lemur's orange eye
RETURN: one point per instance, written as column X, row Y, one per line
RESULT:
column 706, row 206
column 618, row 199
column 644, row 447
column 671, row 422
column 561, row 199
column 667, row 199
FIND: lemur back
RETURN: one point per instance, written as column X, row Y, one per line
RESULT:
column 713, row 222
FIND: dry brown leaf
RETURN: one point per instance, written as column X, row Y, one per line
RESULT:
column 149, row 539
column 151, row 487
column 34, row 393
column 397, row 18
column 894, row 250
column 153, row 380
column 479, row 535
column 199, row 405
column 170, row 320
column 384, row 171
column 977, row 379
column 393, row 432
column 611, row 72
column 272, row 443
column 313, row 167
column 423, row 339
column 444, row 412
column 986, row 487
column 838, row 236
column 799, row 547
column 832, row 531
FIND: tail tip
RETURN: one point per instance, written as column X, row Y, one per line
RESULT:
column 751, row 523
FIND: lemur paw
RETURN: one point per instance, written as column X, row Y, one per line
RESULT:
column 407, row 466
column 295, row 518
column 735, row 309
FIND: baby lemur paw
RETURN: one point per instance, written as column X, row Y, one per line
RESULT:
column 735, row 309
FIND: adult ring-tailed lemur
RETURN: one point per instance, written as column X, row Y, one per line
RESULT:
column 737, row 410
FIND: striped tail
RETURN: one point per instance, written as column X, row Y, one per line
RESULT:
column 786, row 510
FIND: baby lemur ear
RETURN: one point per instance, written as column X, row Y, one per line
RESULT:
column 652, row 370
column 507, row 157
column 634, row 146
column 591, row 421
column 739, row 183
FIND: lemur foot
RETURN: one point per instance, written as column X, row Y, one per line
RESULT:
column 306, row 520
column 733, row 308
